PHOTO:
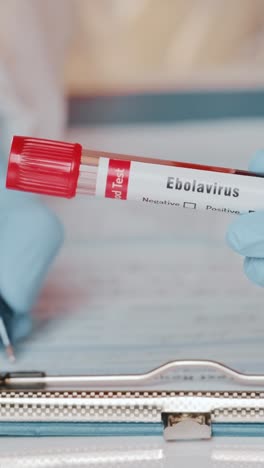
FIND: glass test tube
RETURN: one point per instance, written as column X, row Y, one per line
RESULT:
column 65, row 169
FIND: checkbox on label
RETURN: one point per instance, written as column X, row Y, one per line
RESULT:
column 189, row 205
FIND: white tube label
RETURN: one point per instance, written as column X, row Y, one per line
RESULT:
column 180, row 187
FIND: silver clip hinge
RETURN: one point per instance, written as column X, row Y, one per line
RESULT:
column 187, row 426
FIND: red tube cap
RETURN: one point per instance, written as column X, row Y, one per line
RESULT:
column 44, row 166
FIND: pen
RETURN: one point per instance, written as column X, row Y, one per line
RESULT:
column 65, row 169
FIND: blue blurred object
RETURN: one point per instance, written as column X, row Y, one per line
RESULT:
column 30, row 236
column 246, row 234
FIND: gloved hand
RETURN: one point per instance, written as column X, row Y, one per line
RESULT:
column 246, row 234
column 30, row 236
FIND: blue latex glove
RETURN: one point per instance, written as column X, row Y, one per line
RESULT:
column 30, row 236
column 246, row 234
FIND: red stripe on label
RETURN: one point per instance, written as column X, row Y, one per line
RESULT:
column 117, row 179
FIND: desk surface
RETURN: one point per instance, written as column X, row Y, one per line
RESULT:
column 127, row 453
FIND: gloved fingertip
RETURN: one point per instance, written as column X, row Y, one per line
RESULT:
column 254, row 270
column 246, row 235
column 257, row 162
column 233, row 238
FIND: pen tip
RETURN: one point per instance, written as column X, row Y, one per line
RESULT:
column 6, row 341
column 10, row 353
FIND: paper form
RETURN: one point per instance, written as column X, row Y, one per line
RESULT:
column 136, row 286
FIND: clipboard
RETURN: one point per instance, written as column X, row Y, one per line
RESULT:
column 36, row 404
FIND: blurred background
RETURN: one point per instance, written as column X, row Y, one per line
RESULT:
column 147, row 43
column 56, row 48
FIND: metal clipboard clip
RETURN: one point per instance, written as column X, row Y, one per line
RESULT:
column 128, row 404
